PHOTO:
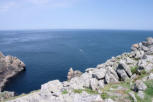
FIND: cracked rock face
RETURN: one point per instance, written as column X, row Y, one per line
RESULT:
column 9, row 67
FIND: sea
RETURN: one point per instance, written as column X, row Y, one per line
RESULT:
column 48, row 54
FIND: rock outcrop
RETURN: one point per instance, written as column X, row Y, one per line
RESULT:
column 5, row 95
column 73, row 73
column 112, row 79
column 9, row 67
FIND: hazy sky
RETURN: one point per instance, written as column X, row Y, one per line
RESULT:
column 95, row 14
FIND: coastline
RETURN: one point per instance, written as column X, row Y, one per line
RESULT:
column 134, row 68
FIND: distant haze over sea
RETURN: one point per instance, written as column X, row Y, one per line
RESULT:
column 48, row 54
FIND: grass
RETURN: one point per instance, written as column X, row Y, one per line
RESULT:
column 125, row 84
column 104, row 95
column 149, row 90
column 88, row 90
column 134, row 70
column 65, row 92
column 77, row 90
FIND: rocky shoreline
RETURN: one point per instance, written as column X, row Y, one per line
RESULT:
column 124, row 78
column 9, row 67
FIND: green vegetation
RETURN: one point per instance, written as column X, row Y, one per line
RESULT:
column 77, row 90
column 88, row 90
column 134, row 70
column 104, row 95
column 149, row 90
column 125, row 84
column 64, row 92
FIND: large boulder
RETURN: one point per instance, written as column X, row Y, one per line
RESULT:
column 141, row 94
column 139, row 86
column 99, row 73
column 53, row 87
column 150, row 77
column 94, row 84
column 111, row 76
column 135, row 47
column 124, row 66
column 138, row 54
column 122, row 72
column 145, row 65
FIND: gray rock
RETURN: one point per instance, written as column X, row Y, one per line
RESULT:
column 144, row 48
column 101, row 84
column 150, row 77
column 72, row 74
column 124, row 66
column 88, row 70
column 76, row 83
column 129, row 61
column 139, row 54
column 53, row 87
column 108, row 100
column 141, row 94
column 99, row 73
column 133, row 96
column 122, row 74
column 149, row 40
column 139, row 86
column 1, row 54
column 134, row 76
column 9, row 67
column 6, row 95
column 111, row 76
column 144, row 64
column 94, row 84
column 85, row 78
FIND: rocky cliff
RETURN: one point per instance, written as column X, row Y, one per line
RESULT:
column 9, row 67
column 124, row 78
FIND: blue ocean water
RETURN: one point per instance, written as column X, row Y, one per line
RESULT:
column 48, row 54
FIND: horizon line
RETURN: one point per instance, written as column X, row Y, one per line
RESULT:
column 73, row 29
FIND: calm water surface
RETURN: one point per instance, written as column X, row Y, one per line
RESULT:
column 48, row 54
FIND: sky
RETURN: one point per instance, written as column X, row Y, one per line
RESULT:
column 76, row 14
